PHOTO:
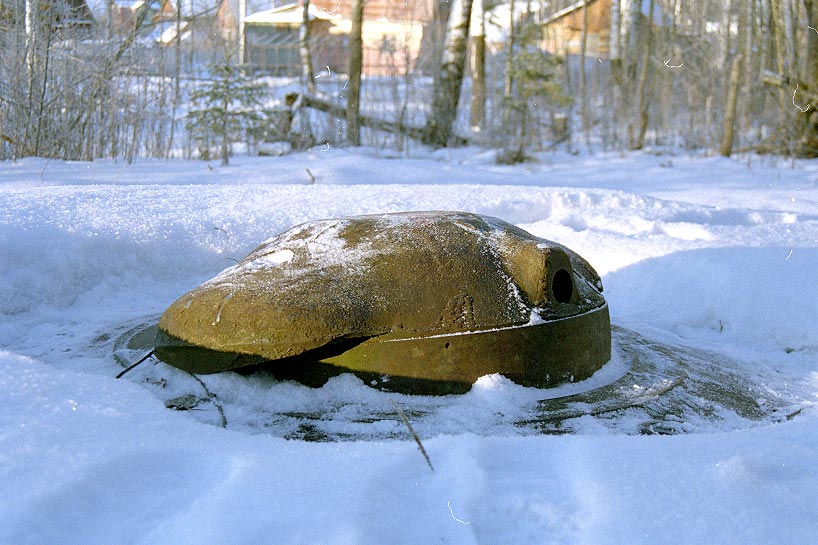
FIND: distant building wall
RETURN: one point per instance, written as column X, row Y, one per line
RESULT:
column 395, row 36
column 562, row 33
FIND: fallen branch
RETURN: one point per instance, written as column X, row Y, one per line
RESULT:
column 9, row 140
column 340, row 112
column 785, row 82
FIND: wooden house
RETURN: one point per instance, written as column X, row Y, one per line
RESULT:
column 562, row 30
column 271, row 40
column 395, row 36
column 70, row 18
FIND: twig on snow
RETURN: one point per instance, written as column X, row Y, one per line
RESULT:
column 145, row 357
column 412, row 431
column 212, row 398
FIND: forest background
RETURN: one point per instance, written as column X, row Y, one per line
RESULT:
column 76, row 83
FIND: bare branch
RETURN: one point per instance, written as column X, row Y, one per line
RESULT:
column 412, row 431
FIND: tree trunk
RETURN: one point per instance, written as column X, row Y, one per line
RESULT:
column 242, row 34
column 508, row 83
column 674, row 15
column 811, row 74
column 777, row 25
column 508, row 77
column 777, row 29
column 791, row 50
column 583, row 94
column 478, row 67
column 438, row 33
column 304, row 49
column 446, row 94
column 639, row 125
column 809, row 138
column 31, row 23
column 225, row 144
column 728, row 124
column 177, row 70
column 615, row 55
column 726, row 34
column 632, row 29
column 356, row 56
column 42, row 65
column 764, row 43
column 748, row 17
column 614, row 40
column 32, row 71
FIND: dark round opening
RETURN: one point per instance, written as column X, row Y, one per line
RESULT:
column 562, row 286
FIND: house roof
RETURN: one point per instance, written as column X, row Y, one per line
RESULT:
column 164, row 32
column 566, row 11
column 66, row 11
column 287, row 15
column 658, row 16
column 189, row 7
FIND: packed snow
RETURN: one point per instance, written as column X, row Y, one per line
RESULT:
column 711, row 260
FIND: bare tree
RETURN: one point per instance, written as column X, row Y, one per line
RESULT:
column 798, row 133
column 446, row 93
column 508, row 82
column 478, row 66
column 639, row 125
column 726, row 34
column 790, row 49
column 583, row 92
column 615, row 56
column 355, row 67
column 728, row 124
column 630, row 28
column 615, row 39
column 304, row 49
column 809, row 137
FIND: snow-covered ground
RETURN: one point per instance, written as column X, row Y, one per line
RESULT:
column 709, row 255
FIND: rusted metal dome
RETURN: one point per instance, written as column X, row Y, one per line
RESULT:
column 417, row 301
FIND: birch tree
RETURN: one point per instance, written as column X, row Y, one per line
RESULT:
column 478, row 66
column 726, row 36
column 615, row 38
column 631, row 30
column 304, row 49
